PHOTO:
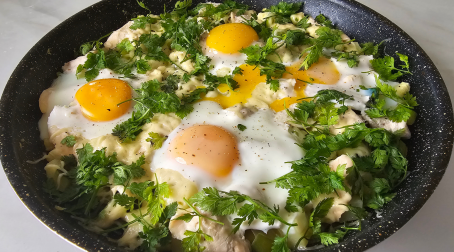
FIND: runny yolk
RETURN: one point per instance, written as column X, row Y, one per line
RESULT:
column 247, row 82
column 322, row 72
column 208, row 147
column 231, row 37
column 99, row 99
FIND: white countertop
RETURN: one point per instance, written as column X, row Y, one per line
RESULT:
column 430, row 23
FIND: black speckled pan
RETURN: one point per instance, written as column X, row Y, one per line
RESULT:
column 429, row 148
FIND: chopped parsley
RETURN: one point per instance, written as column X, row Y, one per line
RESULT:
column 282, row 11
column 310, row 122
column 69, row 141
column 88, row 175
column 376, row 104
column 386, row 69
column 156, row 140
column 241, row 127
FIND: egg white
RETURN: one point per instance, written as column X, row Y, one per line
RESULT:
column 350, row 82
column 264, row 148
column 64, row 111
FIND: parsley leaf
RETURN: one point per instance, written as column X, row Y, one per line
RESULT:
column 386, row 69
column 69, row 141
column 223, row 9
column 128, row 130
column 156, row 140
column 141, row 22
column 193, row 239
column 238, row 71
column 351, row 57
column 328, row 239
column 89, row 175
column 225, row 203
column 256, row 55
column 241, row 127
column 124, row 200
column 262, row 30
column 328, row 38
column 124, row 173
column 402, row 112
column 280, row 243
column 283, row 10
column 370, row 48
column 125, row 46
column 323, row 20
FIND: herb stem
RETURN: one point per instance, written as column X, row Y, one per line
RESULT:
column 199, row 214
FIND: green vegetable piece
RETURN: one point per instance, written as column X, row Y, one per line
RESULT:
column 241, row 127
column 156, row 140
column 69, row 141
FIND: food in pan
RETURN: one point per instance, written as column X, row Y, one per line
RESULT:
column 217, row 128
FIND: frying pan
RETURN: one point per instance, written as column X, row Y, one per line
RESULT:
column 429, row 147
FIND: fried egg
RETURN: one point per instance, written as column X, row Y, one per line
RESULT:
column 222, row 46
column 209, row 149
column 86, row 109
column 223, row 43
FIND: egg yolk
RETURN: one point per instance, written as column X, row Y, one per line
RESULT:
column 208, row 147
column 99, row 99
column 323, row 72
column 247, row 82
column 230, row 38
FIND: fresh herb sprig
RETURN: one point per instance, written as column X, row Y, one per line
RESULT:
column 152, row 197
column 89, row 175
column 386, row 69
column 327, row 38
column 401, row 113
column 69, row 141
column 282, row 11
column 193, row 240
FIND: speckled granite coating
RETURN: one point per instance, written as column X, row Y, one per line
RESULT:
column 429, row 148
